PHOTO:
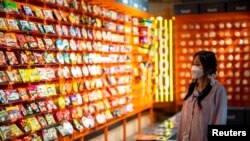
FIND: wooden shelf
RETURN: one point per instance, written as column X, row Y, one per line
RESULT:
column 226, row 50
column 126, row 72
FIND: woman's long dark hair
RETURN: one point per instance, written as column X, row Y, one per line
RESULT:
column 209, row 64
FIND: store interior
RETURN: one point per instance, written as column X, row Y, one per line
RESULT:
column 114, row 70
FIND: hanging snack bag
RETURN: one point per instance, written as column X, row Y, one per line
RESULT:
column 40, row 43
column 50, row 119
column 14, row 113
column 5, row 132
column 12, row 24
column 3, row 25
column 32, row 90
column 11, row 58
column 24, row 58
column 12, row 95
column 33, row 27
column 57, row 15
column 22, row 41
column 48, row 14
column 2, row 59
column 38, row 13
column 4, row 117
column 33, row 124
column 49, row 134
column 42, row 106
column 3, row 97
column 24, row 25
column 11, row 40
column 23, row 94
column 31, row 42
column 27, row 10
column 40, row 27
column 42, row 121
column 15, row 131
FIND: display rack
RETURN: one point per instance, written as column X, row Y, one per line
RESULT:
column 226, row 34
column 66, row 70
column 142, row 42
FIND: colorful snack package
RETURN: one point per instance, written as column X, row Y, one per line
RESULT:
column 50, row 119
column 12, row 95
column 59, row 30
column 49, row 29
column 49, row 58
column 24, row 76
column 4, row 115
column 32, row 90
column 51, row 90
column 3, row 25
column 17, row 75
column 11, row 40
column 2, row 59
column 33, row 124
column 49, row 44
column 38, row 13
column 65, row 30
column 23, row 94
column 14, row 113
column 48, row 14
column 24, row 110
column 34, row 107
column 63, row 15
column 32, row 58
column 40, row 27
column 33, row 27
column 2, row 39
column 42, row 92
column 24, row 58
column 10, row 76
column 51, row 75
column 25, row 125
column 50, row 105
column 31, row 42
column 61, row 103
column 39, row 57
column 24, row 25
column 57, row 15
column 27, row 10
column 49, row 134
column 11, row 58
column 42, row 121
column 77, row 125
column 34, row 75
column 5, row 132
column 15, row 131
column 12, row 24
column 72, row 31
column 3, row 97
column 42, row 106
column 43, row 73
column 40, row 43
column 22, row 41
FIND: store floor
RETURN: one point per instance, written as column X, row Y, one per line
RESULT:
column 165, row 130
column 158, row 130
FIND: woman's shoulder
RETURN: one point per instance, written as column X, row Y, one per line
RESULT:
column 219, row 87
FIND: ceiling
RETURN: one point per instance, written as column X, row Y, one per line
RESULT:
column 165, row 7
column 186, row 1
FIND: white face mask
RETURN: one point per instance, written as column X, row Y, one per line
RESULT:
column 196, row 72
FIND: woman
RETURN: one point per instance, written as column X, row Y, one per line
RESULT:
column 205, row 102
